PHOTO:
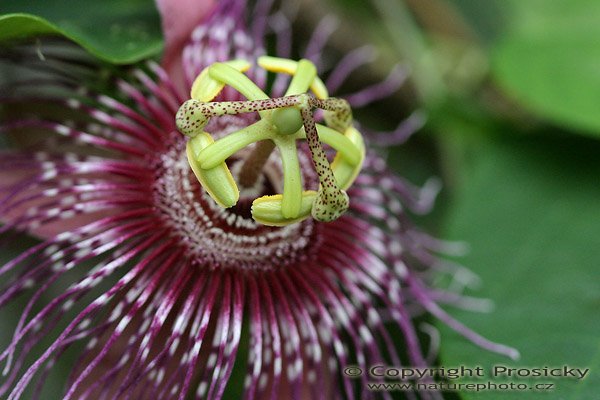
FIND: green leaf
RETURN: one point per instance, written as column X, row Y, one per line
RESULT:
column 487, row 19
column 547, row 60
column 116, row 31
column 530, row 210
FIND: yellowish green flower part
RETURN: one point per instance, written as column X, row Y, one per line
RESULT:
column 283, row 120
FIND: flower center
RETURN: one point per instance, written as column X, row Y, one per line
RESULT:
column 282, row 122
column 228, row 238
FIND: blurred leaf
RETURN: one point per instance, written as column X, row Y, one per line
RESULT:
column 488, row 19
column 530, row 210
column 547, row 60
column 115, row 31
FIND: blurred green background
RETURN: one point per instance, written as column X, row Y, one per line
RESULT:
column 511, row 90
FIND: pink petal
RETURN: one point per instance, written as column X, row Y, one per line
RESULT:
column 179, row 18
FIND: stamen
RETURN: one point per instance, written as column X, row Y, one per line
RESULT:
column 234, row 78
column 283, row 120
column 205, row 89
column 217, row 181
column 292, row 179
column 289, row 67
column 303, row 77
column 227, row 146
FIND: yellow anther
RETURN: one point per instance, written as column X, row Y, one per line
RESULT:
column 217, row 181
column 305, row 74
column 267, row 209
column 289, row 67
column 205, row 88
column 344, row 169
column 222, row 72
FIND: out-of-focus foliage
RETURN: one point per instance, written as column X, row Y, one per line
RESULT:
column 529, row 209
column 521, row 184
column 548, row 59
column 113, row 30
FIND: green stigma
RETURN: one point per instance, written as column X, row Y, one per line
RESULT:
column 283, row 121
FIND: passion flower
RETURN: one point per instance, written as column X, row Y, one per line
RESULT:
column 162, row 253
